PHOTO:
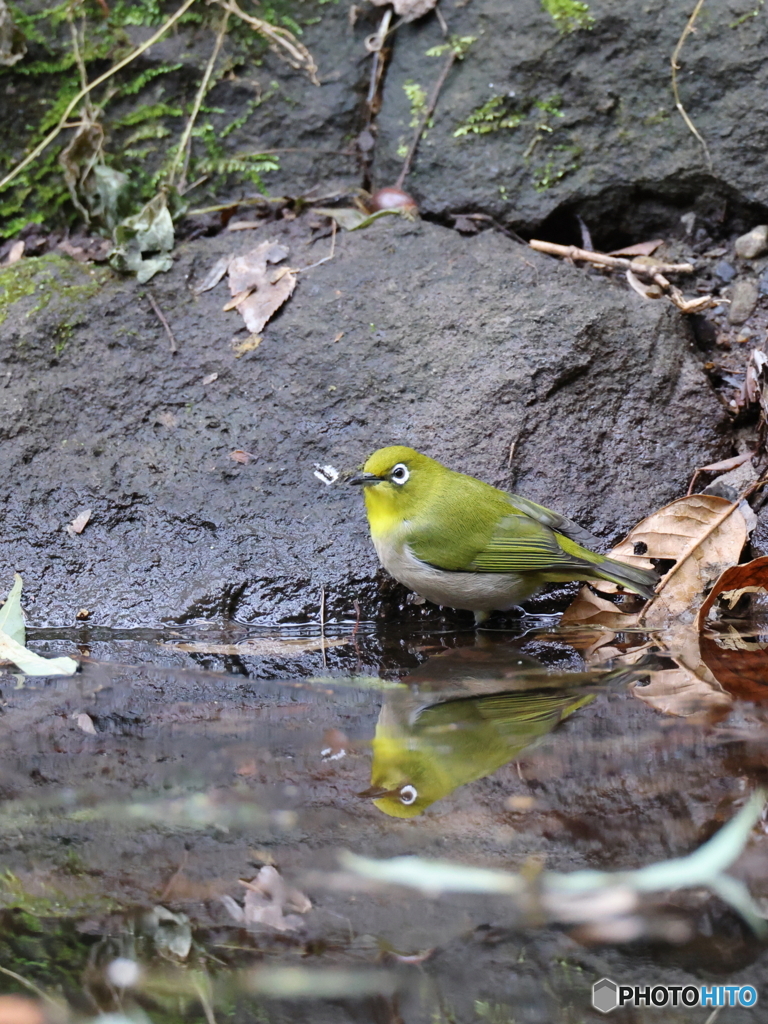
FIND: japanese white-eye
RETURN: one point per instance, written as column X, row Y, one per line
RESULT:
column 426, row 746
column 460, row 542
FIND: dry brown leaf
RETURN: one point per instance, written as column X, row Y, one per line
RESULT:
column 214, row 275
column 408, row 10
column 257, row 292
column 267, row 647
column 720, row 467
column 640, row 249
column 79, row 523
column 701, row 533
column 244, row 458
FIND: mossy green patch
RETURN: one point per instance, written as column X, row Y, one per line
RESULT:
column 569, row 15
column 48, row 277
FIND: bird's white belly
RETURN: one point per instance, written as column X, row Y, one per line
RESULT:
column 475, row 591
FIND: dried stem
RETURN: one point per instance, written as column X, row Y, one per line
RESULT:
column 159, row 313
column 675, row 68
column 185, row 148
column 573, row 252
column 450, row 60
column 283, row 41
column 89, row 88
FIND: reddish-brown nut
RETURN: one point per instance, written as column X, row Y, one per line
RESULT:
column 392, row 198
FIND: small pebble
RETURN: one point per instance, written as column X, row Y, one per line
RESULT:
column 725, row 272
column 762, row 284
column 753, row 244
column 743, row 301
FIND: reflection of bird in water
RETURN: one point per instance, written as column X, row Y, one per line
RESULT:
column 424, row 748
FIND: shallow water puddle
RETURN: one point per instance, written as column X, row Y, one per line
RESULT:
column 176, row 816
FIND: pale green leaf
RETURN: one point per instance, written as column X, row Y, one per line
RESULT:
column 32, row 664
column 11, row 615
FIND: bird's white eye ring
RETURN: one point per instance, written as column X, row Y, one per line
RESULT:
column 399, row 474
column 408, row 795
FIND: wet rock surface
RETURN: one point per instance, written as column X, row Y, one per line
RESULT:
column 501, row 362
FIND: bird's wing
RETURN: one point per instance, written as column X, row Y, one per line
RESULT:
column 522, row 544
column 531, row 706
column 554, row 521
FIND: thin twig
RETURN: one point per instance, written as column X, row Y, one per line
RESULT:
column 84, row 92
column 322, row 622
column 184, row 150
column 325, row 259
column 450, row 60
column 573, row 252
column 163, row 321
column 675, row 68
column 298, row 57
column 31, row 986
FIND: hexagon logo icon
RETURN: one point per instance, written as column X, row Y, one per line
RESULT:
column 605, row 995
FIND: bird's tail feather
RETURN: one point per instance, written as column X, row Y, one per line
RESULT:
column 641, row 581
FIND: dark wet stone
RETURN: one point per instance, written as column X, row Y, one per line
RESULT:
column 725, row 272
column 743, row 301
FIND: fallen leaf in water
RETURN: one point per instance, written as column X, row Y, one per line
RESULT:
column 32, row 664
column 266, row 648
column 79, row 523
column 640, row 249
column 11, row 615
column 408, row 10
column 259, row 291
column 685, row 691
column 750, row 578
column 739, row 662
column 265, row 902
column 701, row 533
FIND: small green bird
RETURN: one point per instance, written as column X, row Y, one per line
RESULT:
column 422, row 754
column 460, row 542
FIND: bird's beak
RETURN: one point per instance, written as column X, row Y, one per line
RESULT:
column 376, row 792
column 364, row 479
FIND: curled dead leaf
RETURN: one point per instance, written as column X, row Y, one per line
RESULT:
column 750, row 578
column 701, row 534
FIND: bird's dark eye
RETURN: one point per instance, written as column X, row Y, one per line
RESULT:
column 399, row 474
column 408, row 793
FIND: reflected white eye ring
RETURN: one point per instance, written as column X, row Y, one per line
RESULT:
column 399, row 474
column 408, row 795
